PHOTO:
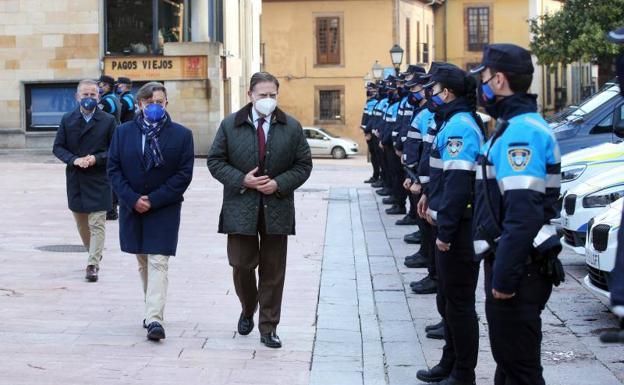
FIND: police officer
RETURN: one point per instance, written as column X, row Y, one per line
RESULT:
column 616, row 283
column 126, row 99
column 387, row 145
column 389, row 90
column 517, row 191
column 371, row 102
column 108, row 100
column 452, row 162
column 372, row 127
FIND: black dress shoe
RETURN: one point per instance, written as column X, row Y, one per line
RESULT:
column 435, row 374
column 434, row 326
column 407, row 220
column 416, row 261
column 425, row 286
column 412, row 238
column 436, row 334
column 384, row 192
column 91, row 273
column 389, row 201
column 378, row 184
column 452, row 381
column 271, row 340
column 245, row 325
column 155, row 331
column 371, row 180
column 396, row 210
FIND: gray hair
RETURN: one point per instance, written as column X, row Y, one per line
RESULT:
column 261, row 77
column 86, row 82
column 147, row 91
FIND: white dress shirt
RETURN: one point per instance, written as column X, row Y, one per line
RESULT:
column 267, row 123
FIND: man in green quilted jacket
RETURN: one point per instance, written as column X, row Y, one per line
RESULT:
column 261, row 157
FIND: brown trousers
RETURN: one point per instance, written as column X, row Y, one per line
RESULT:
column 268, row 253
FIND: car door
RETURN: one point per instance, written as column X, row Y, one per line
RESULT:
column 318, row 142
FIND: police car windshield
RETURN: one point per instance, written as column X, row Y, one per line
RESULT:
column 594, row 102
column 329, row 133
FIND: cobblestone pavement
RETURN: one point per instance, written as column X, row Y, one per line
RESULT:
column 347, row 316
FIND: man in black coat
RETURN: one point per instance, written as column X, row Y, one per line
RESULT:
column 82, row 142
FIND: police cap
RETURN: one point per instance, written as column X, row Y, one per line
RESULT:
column 124, row 80
column 107, row 79
column 506, row 58
column 450, row 75
column 616, row 36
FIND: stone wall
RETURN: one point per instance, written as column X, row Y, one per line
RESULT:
column 42, row 41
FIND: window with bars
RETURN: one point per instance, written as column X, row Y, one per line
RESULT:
column 328, row 40
column 478, row 19
column 330, row 105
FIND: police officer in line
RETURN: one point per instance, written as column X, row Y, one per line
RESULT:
column 126, row 99
column 381, row 127
column 428, row 128
column 454, row 152
column 369, row 107
column 517, row 191
column 387, row 145
column 110, row 103
column 108, row 100
column 411, row 106
column 372, row 127
column 616, row 283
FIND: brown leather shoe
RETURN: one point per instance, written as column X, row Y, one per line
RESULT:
column 92, row 273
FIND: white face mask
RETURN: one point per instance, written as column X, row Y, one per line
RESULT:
column 265, row 106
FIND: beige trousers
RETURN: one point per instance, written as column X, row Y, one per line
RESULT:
column 91, row 227
column 153, row 270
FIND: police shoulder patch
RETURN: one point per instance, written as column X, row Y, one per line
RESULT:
column 454, row 145
column 519, row 158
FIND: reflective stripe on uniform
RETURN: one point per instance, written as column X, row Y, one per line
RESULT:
column 414, row 135
column 394, row 133
column 457, row 164
column 490, row 170
column 423, row 179
column 522, row 182
column 433, row 214
column 480, row 246
column 428, row 138
column 436, row 162
column 553, row 180
column 546, row 232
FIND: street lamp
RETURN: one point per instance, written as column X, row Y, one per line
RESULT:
column 396, row 55
column 377, row 70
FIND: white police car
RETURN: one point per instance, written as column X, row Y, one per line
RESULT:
column 578, row 166
column 587, row 200
column 601, row 246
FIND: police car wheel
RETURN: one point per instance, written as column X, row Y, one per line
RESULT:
column 339, row 153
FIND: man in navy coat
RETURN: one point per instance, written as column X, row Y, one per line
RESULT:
column 150, row 167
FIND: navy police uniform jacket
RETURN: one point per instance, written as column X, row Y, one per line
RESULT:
column 389, row 121
column 417, row 130
column 522, row 181
column 423, row 165
column 376, row 120
column 127, row 107
column 405, row 116
column 452, row 164
column 109, row 103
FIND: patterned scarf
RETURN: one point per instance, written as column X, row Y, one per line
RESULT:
column 152, row 155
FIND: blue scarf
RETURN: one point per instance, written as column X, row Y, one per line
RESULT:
column 152, row 155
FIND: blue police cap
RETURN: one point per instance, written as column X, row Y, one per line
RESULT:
column 449, row 74
column 419, row 76
column 616, row 36
column 506, row 58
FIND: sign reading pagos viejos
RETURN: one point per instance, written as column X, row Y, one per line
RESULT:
column 140, row 68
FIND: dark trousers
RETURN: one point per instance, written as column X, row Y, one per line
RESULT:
column 268, row 253
column 457, row 282
column 515, row 327
column 385, row 166
column 373, row 150
column 396, row 175
column 427, row 246
column 413, row 200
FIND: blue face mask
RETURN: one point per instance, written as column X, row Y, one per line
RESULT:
column 487, row 96
column 88, row 103
column 414, row 98
column 154, row 112
column 437, row 100
column 100, row 90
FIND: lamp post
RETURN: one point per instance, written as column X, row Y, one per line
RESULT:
column 396, row 55
column 377, row 70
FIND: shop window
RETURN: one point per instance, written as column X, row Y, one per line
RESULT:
column 141, row 27
column 47, row 103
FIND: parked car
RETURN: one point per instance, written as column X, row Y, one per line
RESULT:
column 587, row 200
column 601, row 247
column 323, row 142
column 578, row 166
column 590, row 123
